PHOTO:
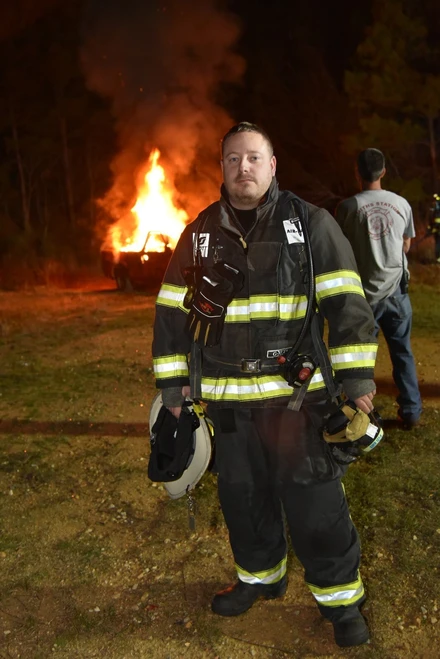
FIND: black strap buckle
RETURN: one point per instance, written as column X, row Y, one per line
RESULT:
column 251, row 365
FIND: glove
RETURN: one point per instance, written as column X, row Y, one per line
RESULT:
column 216, row 287
column 351, row 432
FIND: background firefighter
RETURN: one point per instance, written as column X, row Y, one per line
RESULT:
column 234, row 295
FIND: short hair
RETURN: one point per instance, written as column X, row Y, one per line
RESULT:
column 370, row 164
column 246, row 127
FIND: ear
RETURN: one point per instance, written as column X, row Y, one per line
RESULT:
column 273, row 165
column 383, row 173
column 221, row 165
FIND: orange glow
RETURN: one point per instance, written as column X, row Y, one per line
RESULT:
column 157, row 219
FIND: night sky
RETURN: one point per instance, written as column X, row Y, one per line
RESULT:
column 89, row 87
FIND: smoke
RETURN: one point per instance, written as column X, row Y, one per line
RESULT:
column 162, row 65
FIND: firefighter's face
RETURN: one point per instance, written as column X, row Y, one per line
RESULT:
column 248, row 167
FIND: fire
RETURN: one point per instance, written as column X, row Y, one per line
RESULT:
column 158, row 222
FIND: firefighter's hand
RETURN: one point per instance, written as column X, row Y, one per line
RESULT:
column 186, row 393
column 365, row 402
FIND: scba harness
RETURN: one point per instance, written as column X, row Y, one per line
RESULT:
column 211, row 289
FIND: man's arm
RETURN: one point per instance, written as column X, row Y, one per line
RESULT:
column 406, row 243
column 171, row 343
column 341, row 300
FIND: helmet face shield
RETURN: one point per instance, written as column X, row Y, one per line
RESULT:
column 350, row 432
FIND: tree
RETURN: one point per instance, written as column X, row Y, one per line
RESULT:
column 394, row 86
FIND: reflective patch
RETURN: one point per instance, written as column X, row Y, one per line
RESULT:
column 294, row 230
column 277, row 352
column 201, row 241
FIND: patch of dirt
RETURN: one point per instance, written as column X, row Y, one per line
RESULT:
column 95, row 560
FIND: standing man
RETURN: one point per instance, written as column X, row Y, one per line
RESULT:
column 235, row 296
column 379, row 225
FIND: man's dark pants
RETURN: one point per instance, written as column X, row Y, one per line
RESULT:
column 273, row 464
column 394, row 317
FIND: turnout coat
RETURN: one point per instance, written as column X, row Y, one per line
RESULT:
column 267, row 314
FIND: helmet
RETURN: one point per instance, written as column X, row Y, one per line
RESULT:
column 181, row 449
column 351, row 432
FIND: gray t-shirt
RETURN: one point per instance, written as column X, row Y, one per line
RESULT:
column 375, row 222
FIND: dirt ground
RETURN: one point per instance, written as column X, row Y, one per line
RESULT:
column 96, row 561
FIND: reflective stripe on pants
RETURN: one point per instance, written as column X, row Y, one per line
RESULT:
column 274, row 459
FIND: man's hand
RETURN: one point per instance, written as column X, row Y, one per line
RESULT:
column 186, row 393
column 365, row 403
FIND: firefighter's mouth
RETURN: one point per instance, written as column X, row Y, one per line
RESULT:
column 245, row 180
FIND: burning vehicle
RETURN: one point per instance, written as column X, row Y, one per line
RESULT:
column 138, row 270
column 136, row 258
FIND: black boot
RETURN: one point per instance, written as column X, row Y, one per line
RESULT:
column 352, row 631
column 240, row 597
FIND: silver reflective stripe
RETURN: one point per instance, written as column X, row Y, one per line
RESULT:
column 171, row 294
column 338, row 282
column 353, row 356
column 317, row 378
column 293, row 307
column 172, row 366
column 234, row 389
column 285, row 307
column 242, row 310
column 340, row 595
column 266, row 577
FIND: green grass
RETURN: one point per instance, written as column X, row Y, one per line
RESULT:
column 97, row 496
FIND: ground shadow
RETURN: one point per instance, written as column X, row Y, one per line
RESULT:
column 386, row 387
column 75, row 428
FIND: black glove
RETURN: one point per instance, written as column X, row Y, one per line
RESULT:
column 216, row 287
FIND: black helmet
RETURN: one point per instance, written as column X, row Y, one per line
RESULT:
column 351, row 432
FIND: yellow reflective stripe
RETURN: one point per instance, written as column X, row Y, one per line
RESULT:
column 317, row 381
column 254, row 388
column 266, row 576
column 337, row 283
column 265, row 307
column 172, row 296
column 171, row 366
column 342, row 595
column 238, row 311
column 353, row 356
column 293, row 307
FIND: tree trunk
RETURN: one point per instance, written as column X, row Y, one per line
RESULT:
column 25, row 195
column 67, row 173
column 91, row 185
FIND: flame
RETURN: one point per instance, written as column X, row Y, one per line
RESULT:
column 158, row 222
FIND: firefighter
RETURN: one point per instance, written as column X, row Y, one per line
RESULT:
column 434, row 226
column 245, row 297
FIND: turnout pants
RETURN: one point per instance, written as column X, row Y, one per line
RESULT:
column 273, row 464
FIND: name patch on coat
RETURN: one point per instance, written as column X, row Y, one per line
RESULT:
column 203, row 243
column 294, row 230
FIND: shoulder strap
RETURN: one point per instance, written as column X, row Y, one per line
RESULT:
column 311, row 322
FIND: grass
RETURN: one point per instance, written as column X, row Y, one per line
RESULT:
column 96, row 561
